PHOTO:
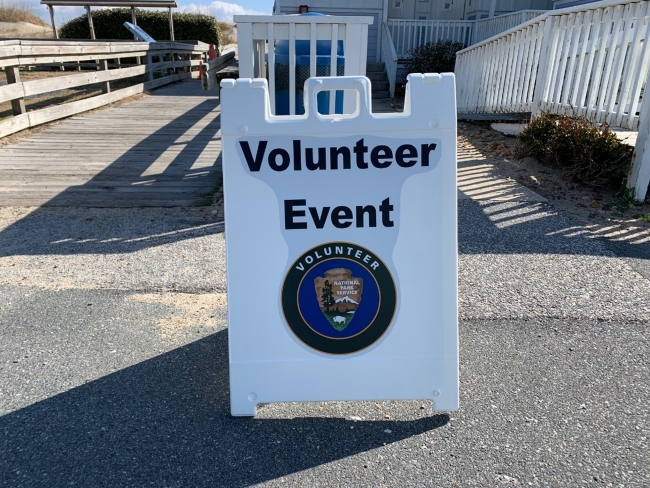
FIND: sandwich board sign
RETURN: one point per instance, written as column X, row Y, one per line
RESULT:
column 341, row 246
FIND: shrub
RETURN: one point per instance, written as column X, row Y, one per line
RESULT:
column 109, row 24
column 438, row 57
column 586, row 152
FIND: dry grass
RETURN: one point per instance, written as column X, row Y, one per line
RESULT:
column 227, row 33
column 19, row 12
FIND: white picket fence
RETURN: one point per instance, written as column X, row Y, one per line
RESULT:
column 590, row 60
column 486, row 28
column 256, row 32
column 411, row 34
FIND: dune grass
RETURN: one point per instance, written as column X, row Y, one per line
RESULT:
column 16, row 11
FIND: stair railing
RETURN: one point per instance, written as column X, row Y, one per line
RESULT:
column 389, row 56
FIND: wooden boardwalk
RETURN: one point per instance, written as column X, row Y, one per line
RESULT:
column 161, row 150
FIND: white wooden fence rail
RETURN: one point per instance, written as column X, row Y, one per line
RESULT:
column 174, row 61
column 255, row 32
column 590, row 60
column 486, row 28
column 410, row 34
column 389, row 56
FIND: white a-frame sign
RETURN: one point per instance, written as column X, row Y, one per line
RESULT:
column 341, row 246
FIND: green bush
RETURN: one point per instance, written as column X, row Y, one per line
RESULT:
column 438, row 57
column 586, row 152
column 109, row 24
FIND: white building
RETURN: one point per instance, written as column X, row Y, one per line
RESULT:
column 419, row 10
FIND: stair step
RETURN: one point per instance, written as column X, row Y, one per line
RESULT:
column 376, row 76
column 375, row 67
column 380, row 85
column 380, row 94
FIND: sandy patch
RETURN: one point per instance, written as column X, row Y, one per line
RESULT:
column 189, row 310
column 600, row 209
column 24, row 30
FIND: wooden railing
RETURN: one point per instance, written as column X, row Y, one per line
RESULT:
column 211, row 68
column 100, row 62
column 256, row 32
column 410, row 34
column 590, row 60
column 486, row 28
column 389, row 56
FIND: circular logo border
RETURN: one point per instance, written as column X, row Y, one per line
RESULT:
column 339, row 346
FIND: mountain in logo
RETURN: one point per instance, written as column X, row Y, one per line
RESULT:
column 339, row 295
column 346, row 299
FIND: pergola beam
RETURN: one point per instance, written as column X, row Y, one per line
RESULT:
column 56, row 33
column 112, row 3
column 90, row 22
column 171, row 25
column 132, row 4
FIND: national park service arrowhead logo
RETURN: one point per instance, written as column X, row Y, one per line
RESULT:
column 338, row 298
column 340, row 294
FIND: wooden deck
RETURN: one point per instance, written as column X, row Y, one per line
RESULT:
column 161, row 150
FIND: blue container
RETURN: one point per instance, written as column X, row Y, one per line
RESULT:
column 323, row 65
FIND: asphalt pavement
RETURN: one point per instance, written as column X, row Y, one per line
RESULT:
column 114, row 369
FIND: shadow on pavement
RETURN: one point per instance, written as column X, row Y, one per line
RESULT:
column 483, row 227
column 491, row 227
column 128, row 182
column 166, row 422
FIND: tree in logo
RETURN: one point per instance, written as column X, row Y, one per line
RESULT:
column 327, row 297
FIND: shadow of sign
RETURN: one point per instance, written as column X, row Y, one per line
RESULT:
column 166, row 421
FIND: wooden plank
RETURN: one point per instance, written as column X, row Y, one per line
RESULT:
column 14, row 124
column 13, row 77
column 10, row 92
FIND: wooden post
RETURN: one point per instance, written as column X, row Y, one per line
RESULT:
column 171, row 25
column 13, row 76
column 103, row 66
column 51, row 9
column 639, row 177
column 150, row 66
column 245, row 49
column 90, row 22
column 134, row 21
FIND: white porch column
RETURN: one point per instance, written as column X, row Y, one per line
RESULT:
column 493, row 7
